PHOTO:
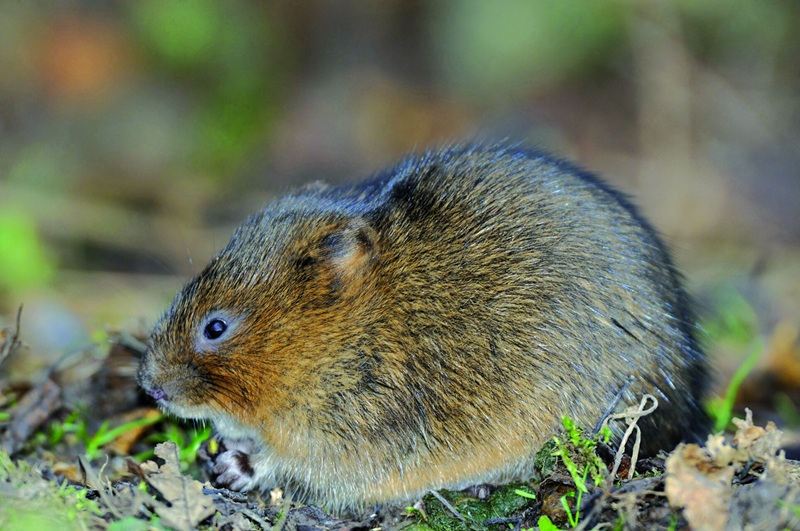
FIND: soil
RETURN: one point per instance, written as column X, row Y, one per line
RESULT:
column 91, row 452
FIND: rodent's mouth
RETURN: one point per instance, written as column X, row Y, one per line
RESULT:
column 160, row 397
column 170, row 399
column 157, row 394
column 184, row 410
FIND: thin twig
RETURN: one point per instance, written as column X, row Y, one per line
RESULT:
column 12, row 343
column 631, row 416
column 448, row 505
column 610, row 409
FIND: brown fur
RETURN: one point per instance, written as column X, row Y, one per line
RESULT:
column 429, row 328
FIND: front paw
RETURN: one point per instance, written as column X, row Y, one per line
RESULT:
column 230, row 466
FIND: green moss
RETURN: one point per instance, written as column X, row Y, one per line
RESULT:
column 502, row 503
column 546, row 460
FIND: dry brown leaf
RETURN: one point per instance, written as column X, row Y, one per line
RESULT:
column 149, row 467
column 699, row 479
column 758, row 444
column 695, row 482
column 550, row 492
column 123, row 444
column 186, row 505
column 68, row 470
column 719, row 452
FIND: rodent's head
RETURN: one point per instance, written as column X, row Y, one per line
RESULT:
column 243, row 339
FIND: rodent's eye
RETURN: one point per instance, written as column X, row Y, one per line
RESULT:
column 215, row 328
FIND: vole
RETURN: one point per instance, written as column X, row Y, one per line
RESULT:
column 428, row 328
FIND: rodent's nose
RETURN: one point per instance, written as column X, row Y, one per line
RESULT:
column 157, row 393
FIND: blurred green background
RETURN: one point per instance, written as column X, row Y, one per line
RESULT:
column 135, row 135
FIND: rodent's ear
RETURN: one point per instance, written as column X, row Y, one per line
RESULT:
column 351, row 249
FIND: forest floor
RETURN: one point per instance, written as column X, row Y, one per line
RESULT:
column 117, row 463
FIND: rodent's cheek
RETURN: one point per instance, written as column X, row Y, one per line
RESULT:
column 147, row 373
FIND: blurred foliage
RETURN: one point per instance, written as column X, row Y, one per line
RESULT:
column 721, row 408
column 733, row 325
column 23, row 260
column 183, row 34
column 135, row 134
column 229, row 50
column 763, row 32
column 522, row 46
column 733, row 321
column 43, row 164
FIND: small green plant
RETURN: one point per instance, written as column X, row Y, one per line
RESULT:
column 734, row 325
column 586, row 463
column 721, row 409
column 104, row 435
column 418, row 514
column 794, row 508
column 188, row 442
column 410, row 510
column 545, row 524
column 525, row 494
column 75, row 424
column 673, row 522
column 573, row 519
column 76, row 502
column 72, row 424
column 585, row 449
